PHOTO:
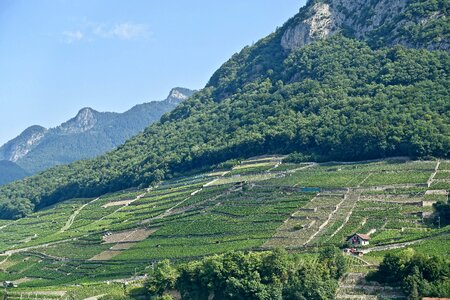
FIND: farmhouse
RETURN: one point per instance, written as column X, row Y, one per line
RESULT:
column 358, row 240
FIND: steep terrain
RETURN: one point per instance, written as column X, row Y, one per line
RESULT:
column 87, row 135
column 23, row 144
column 411, row 23
column 339, row 97
column 260, row 204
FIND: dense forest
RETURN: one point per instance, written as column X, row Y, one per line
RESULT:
column 337, row 99
column 253, row 276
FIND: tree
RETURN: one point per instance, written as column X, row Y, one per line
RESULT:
column 162, row 278
column 333, row 259
column 253, row 275
column 443, row 212
column 417, row 274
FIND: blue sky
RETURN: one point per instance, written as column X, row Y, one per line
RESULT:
column 58, row 56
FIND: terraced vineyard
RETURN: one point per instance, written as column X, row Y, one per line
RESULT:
column 260, row 204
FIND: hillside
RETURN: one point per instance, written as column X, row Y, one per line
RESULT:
column 337, row 97
column 10, row 171
column 89, row 134
column 95, row 245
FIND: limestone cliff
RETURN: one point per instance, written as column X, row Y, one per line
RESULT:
column 411, row 23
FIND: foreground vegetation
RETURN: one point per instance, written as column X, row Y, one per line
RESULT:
column 418, row 274
column 238, row 275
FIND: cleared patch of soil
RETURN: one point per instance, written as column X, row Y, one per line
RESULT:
column 105, row 255
column 118, row 203
column 436, row 192
column 122, row 246
column 131, row 236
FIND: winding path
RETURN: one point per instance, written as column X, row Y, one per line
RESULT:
column 72, row 217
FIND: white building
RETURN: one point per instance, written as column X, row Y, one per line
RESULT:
column 358, row 240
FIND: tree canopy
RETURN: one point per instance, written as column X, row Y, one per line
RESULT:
column 259, row 276
column 419, row 275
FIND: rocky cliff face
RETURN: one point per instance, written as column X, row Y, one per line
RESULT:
column 85, row 120
column 23, row 144
column 177, row 95
column 389, row 22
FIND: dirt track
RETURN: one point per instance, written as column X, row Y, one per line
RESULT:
column 72, row 217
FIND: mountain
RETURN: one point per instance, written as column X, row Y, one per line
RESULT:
column 411, row 23
column 87, row 135
column 10, row 171
column 346, row 93
column 23, row 144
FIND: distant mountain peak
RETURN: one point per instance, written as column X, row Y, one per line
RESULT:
column 85, row 120
column 34, row 128
column 86, row 110
column 178, row 95
column 88, row 134
column 23, row 144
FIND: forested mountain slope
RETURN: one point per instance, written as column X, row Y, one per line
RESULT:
column 89, row 134
column 332, row 97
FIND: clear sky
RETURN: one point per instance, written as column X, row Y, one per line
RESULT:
column 58, row 56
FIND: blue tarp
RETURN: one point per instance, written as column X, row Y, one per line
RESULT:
column 310, row 190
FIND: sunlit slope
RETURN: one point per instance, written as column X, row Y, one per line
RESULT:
column 260, row 204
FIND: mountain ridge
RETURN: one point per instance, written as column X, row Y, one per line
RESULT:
column 29, row 149
column 16, row 148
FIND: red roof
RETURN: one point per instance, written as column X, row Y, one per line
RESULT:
column 426, row 298
column 362, row 236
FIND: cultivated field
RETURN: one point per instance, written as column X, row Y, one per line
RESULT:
column 260, row 204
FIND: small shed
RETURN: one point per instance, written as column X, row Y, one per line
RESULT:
column 354, row 252
column 358, row 239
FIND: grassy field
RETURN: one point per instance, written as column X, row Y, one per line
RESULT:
column 260, row 204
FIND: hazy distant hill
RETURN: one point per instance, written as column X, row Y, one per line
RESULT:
column 10, row 171
column 87, row 135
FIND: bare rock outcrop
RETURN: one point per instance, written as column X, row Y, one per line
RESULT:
column 360, row 18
